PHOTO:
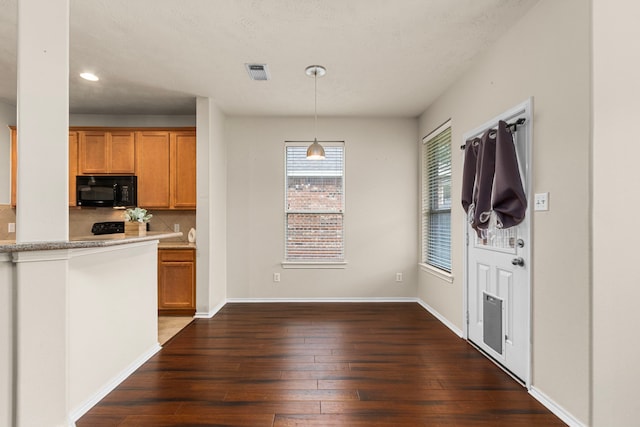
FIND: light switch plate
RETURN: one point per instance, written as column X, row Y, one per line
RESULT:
column 541, row 202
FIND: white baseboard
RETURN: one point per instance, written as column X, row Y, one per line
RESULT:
column 108, row 387
column 344, row 299
column 440, row 317
column 558, row 410
column 424, row 305
column 213, row 311
column 210, row 313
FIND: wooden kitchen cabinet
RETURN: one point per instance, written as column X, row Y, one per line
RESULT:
column 176, row 282
column 14, row 165
column 163, row 159
column 152, row 169
column 73, row 165
column 106, row 152
column 183, row 176
column 166, row 169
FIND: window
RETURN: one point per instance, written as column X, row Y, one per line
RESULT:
column 314, row 204
column 436, row 199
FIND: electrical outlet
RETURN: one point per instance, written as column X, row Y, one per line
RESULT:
column 398, row 277
column 12, row 227
column 176, row 228
column 276, row 277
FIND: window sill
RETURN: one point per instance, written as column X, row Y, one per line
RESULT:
column 314, row 264
column 441, row 274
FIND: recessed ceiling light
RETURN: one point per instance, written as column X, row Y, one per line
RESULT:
column 89, row 76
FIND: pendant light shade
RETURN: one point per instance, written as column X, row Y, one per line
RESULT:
column 315, row 150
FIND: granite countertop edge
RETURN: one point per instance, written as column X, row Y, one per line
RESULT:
column 176, row 245
column 85, row 242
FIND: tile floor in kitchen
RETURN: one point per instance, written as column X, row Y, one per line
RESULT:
column 168, row 326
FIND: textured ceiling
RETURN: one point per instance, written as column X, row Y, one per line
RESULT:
column 384, row 58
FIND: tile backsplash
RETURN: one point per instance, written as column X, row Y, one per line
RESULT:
column 81, row 220
column 165, row 220
column 7, row 215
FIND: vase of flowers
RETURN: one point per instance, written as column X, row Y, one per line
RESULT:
column 135, row 222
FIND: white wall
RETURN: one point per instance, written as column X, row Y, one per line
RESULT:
column 616, row 202
column 381, row 179
column 211, row 216
column 101, row 325
column 113, row 323
column 7, row 118
column 218, row 220
column 545, row 55
column 6, row 339
column 43, row 120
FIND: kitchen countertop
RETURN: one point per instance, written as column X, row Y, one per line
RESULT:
column 176, row 245
column 7, row 246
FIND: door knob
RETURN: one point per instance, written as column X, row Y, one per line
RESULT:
column 517, row 261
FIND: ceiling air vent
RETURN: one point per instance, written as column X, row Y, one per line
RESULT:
column 257, row 71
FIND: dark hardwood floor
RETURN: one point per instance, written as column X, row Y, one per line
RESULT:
column 319, row 364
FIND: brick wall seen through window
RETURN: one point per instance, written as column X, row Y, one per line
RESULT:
column 314, row 205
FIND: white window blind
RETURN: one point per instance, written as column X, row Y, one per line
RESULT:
column 436, row 199
column 314, row 205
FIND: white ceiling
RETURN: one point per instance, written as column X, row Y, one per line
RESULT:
column 383, row 57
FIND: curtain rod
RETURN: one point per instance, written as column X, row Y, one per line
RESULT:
column 511, row 126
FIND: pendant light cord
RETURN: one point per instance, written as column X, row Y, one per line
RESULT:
column 315, row 104
column 315, row 150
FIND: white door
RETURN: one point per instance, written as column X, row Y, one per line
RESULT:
column 496, row 283
column 498, row 278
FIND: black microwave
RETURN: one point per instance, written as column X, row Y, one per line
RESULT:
column 107, row 191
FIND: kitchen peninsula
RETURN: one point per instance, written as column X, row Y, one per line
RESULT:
column 9, row 246
column 105, row 292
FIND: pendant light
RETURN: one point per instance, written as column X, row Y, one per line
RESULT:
column 315, row 150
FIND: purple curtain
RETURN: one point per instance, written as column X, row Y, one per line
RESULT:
column 509, row 201
column 491, row 180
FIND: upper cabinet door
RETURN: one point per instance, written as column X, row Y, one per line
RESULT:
column 152, row 169
column 166, row 169
column 93, row 152
column 73, row 166
column 184, row 170
column 14, row 165
column 103, row 152
column 122, row 153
